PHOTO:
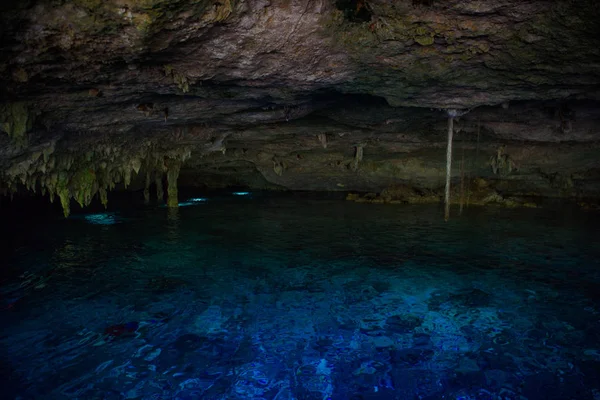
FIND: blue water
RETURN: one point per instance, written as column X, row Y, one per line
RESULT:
column 255, row 296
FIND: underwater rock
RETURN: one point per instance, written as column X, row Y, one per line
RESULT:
column 467, row 365
column 470, row 298
column 422, row 341
column 495, row 378
column 322, row 345
column 382, row 342
column 122, row 330
column 467, row 298
column 410, row 356
column 210, row 321
column 403, row 323
column 188, row 343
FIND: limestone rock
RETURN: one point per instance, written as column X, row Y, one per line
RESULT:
column 228, row 87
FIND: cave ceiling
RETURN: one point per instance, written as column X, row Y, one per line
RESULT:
column 289, row 76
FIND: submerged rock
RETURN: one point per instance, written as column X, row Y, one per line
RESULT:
column 189, row 342
column 122, row 330
column 403, row 323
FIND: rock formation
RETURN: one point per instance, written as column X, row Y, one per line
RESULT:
column 346, row 95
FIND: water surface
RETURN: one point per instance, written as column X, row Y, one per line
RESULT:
column 300, row 297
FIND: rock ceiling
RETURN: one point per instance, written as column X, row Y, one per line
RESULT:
column 123, row 85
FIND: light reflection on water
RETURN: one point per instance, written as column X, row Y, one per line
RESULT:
column 102, row 219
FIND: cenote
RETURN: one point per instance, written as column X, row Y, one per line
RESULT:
column 299, row 200
column 300, row 296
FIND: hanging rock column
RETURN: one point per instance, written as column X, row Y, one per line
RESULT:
column 103, row 196
column 172, row 174
column 358, row 156
column 448, row 165
column 147, row 189
column 160, row 193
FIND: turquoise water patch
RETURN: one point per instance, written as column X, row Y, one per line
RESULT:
column 103, row 219
column 190, row 202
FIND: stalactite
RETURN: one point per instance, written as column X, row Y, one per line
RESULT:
column 127, row 176
column 80, row 175
column 160, row 193
column 83, row 186
column 322, row 139
column 448, row 167
column 65, row 201
column 63, row 192
column 462, row 180
column 103, row 196
column 147, row 189
column 358, row 156
column 278, row 167
column 136, row 164
column 172, row 175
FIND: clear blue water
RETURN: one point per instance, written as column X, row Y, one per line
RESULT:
column 300, row 297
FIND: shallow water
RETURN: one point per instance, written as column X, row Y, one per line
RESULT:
column 299, row 297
